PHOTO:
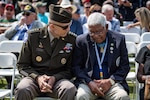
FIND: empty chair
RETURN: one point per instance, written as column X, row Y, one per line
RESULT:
column 11, row 46
column 2, row 37
column 136, row 30
column 8, row 60
column 145, row 36
column 132, row 51
column 132, row 37
column 126, row 23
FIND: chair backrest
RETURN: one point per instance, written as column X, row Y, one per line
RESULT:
column 11, row 46
column 145, row 36
column 125, row 23
column 7, row 60
column 131, row 47
column 136, row 30
column 142, row 44
column 132, row 37
column 2, row 37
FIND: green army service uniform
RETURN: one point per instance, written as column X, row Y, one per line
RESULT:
column 38, row 58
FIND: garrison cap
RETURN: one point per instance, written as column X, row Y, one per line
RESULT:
column 59, row 14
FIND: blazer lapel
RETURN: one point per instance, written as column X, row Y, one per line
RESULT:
column 91, row 51
column 110, row 49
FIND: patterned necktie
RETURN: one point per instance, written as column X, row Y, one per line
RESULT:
column 21, row 34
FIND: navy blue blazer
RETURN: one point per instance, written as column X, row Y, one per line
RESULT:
column 85, row 56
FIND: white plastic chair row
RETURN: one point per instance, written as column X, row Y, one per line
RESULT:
column 132, row 50
column 145, row 36
column 132, row 37
column 11, row 46
column 8, row 60
column 136, row 30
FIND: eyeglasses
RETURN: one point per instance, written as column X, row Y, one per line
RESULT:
column 8, row 9
column 96, row 11
column 98, row 32
column 63, row 27
column 26, row 14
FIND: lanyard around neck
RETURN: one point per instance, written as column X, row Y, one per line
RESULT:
column 100, row 61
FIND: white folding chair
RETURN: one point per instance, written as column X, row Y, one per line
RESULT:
column 132, row 37
column 11, row 46
column 125, row 23
column 132, row 51
column 8, row 60
column 124, row 29
column 2, row 37
column 145, row 36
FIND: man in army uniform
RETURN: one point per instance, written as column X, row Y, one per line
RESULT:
column 45, row 59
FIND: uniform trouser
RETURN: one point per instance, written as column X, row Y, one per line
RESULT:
column 116, row 92
column 28, row 89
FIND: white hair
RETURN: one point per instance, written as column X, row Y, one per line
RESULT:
column 107, row 7
column 96, row 19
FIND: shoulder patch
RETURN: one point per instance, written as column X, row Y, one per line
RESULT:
column 34, row 30
column 73, row 34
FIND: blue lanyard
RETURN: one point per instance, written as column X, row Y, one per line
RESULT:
column 102, row 59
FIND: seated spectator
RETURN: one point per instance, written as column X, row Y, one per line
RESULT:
column 43, row 16
column 21, row 4
column 28, row 21
column 100, row 62
column 143, row 61
column 83, row 17
column 76, row 25
column 143, row 16
column 108, row 11
column 9, row 14
column 2, row 7
column 93, row 8
column 117, row 15
column 8, row 18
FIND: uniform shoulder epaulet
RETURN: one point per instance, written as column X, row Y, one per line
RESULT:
column 34, row 30
column 73, row 34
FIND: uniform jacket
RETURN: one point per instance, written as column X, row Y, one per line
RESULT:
column 85, row 56
column 9, row 33
column 36, row 57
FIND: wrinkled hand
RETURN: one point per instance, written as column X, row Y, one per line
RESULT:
column 22, row 20
column 51, row 81
column 130, row 26
column 104, row 84
column 95, row 89
column 43, row 83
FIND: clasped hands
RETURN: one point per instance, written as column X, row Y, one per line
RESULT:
column 46, row 83
column 99, row 87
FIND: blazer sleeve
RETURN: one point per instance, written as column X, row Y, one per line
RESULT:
column 79, row 66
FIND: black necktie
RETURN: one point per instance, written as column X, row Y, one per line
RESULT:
column 53, row 43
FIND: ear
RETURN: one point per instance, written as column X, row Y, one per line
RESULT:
column 51, row 26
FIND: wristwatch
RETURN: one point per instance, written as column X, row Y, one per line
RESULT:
column 112, row 81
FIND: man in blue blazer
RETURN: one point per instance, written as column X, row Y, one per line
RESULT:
column 100, row 62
